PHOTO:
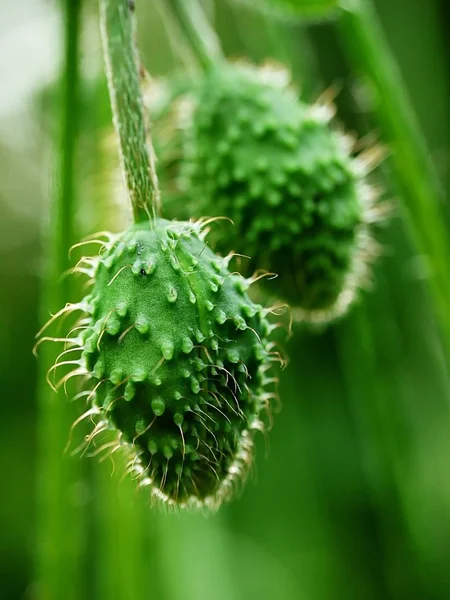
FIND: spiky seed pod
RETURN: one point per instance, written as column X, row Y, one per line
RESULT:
column 274, row 165
column 177, row 355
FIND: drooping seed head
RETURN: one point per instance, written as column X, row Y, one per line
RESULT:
column 177, row 355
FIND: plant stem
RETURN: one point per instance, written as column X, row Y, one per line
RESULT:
column 367, row 48
column 59, row 557
column 198, row 32
column 122, row 69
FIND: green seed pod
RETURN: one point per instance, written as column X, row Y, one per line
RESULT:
column 298, row 199
column 177, row 355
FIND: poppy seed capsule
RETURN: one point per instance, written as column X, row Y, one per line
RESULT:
column 299, row 202
column 178, row 357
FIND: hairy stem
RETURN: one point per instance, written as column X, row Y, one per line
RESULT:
column 123, row 73
column 59, row 557
column 367, row 48
column 197, row 31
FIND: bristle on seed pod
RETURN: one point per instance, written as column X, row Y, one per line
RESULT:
column 177, row 357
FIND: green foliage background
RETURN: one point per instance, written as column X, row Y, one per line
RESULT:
column 353, row 498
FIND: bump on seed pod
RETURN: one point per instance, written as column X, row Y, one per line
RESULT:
column 178, row 358
column 299, row 199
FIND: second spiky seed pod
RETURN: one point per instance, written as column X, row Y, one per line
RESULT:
column 253, row 152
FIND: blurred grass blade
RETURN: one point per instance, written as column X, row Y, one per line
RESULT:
column 194, row 24
column 423, row 198
column 295, row 8
column 128, row 563
column 61, row 498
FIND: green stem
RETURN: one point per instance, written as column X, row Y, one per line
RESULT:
column 122, row 69
column 367, row 48
column 59, row 557
column 198, row 32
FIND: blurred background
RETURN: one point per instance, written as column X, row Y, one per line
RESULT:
column 353, row 499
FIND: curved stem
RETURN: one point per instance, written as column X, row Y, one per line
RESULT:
column 198, row 32
column 367, row 48
column 122, row 69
